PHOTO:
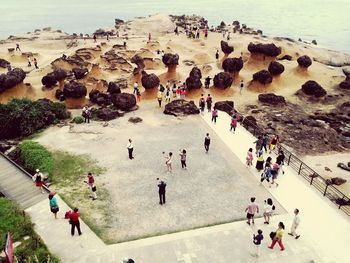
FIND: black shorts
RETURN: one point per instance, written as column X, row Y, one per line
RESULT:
column 250, row 216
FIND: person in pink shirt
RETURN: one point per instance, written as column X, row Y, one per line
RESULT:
column 251, row 209
column 249, row 158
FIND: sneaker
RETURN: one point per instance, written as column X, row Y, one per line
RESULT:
column 248, row 223
column 297, row 236
column 290, row 234
column 270, row 247
column 282, row 249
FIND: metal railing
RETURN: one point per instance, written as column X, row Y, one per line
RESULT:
column 310, row 175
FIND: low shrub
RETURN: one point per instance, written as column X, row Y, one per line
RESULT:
column 78, row 119
column 23, row 117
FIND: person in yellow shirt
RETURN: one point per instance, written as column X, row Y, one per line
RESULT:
column 277, row 238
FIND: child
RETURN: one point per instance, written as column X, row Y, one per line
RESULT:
column 214, row 115
column 138, row 95
column 249, row 157
column 257, row 242
column 168, row 160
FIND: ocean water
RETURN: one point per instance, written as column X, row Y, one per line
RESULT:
column 327, row 21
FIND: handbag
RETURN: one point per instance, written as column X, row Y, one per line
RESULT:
column 272, row 235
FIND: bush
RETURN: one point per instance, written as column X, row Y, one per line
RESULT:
column 78, row 119
column 19, row 225
column 23, row 117
column 34, row 156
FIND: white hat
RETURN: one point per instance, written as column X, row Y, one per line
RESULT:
column 37, row 170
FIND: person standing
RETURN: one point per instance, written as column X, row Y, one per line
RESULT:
column 167, row 94
column 295, row 224
column 136, row 88
column 91, row 182
column 251, row 209
column 206, row 143
column 29, row 61
column 249, row 158
column 53, row 204
column 86, row 114
column 159, row 98
column 217, row 55
column 161, row 191
column 38, row 178
column 280, row 160
column 17, row 47
column 202, row 104
column 257, row 242
column 274, row 173
column 149, row 37
column 273, row 143
column 74, row 220
column 233, row 122
column 108, row 37
column 268, row 209
column 130, row 148
column 214, row 115
column 174, row 90
column 95, row 38
column 138, row 95
column 277, row 237
column 258, row 145
column 207, row 82
column 209, row 102
column 183, row 159
column 265, row 139
column 36, row 63
column 168, row 162
column 241, row 86
column 260, row 162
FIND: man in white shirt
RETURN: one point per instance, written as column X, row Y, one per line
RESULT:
column 130, row 148
column 136, row 87
column 295, row 224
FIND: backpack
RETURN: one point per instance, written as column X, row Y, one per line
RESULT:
column 38, row 178
column 67, row 215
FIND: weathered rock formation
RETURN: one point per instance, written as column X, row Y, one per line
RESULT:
column 59, row 94
column 271, row 99
column 80, row 73
column 149, row 81
column 114, row 87
column 263, row 76
column 181, row 108
column 4, row 63
column 60, row 74
column 49, row 80
column 11, row 78
column 106, row 113
column 312, row 88
column 276, row 68
column 336, row 180
column 226, row 48
column 270, row 50
column 223, row 80
column 226, row 106
column 171, row 61
column 232, row 65
column 286, row 57
column 304, row 61
column 138, row 60
column 194, row 80
column 124, row 101
column 74, row 89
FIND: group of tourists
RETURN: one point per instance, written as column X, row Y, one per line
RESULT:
column 175, row 90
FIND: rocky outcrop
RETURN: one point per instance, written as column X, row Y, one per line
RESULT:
column 60, row 74
column 99, row 97
column 115, row 61
column 312, row 88
column 223, row 80
column 149, row 81
column 106, row 114
column 138, row 60
column 271, row 99
column 171, row 61
column 59, row 94
column 181, row 108
column 49, row 80
column 122, row 83
column 232, row 65
column 226, row 106
column 345, row 85
column 113, row 87
column 344, row 167
column 276, row 68
column 286, row 57
column 336, row 180
column 4, row 63
column 124, row 101
column 11, row 78
column 226, row 48
column 304, row 61
column 80, row 73
column 74, row 90
column 134, row 120
column 270, row 50
column 194, row 80
column 263, row 76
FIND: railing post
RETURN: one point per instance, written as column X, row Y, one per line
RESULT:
column 325, row 190
column 301, row 164
column 312, row 178
column 290, row 155
column 340, row 202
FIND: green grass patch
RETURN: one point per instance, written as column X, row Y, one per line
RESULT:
column 78, row 119
column 13, row 220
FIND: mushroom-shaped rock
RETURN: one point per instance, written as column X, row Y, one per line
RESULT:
column 232, row 65
column 304, row 61
column 124, row 101
column 114, row 87
column 345, row 85
column 263, row 76
column 74, row 89
column 149, row 81
column 107, row 114
column 4, row 63
column 226, row 106
column 49, row 80
column 80, row 73
column 270, row 50
column 138, row 60
column 181, row 108
column 60, row 95
column 312, row 88
column 271, row 99
column 60, row 74
column 275, row 68
column 93, row 95
column 223, row 80
column 11, row 78
column 194, row 80
column 171, row 61
column 226, row 48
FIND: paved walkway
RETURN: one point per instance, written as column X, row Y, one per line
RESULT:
column 323, row 228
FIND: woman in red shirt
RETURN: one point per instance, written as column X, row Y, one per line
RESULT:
column 74, row 220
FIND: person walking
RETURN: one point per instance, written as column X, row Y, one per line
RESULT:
column 38, row 178
column 217, row 55
column 91, row 182
column 183, row 159
column 17, row 47
column 130, row 148
column 207, row 82
column 206, row 143
column 260, row 162
column 249, row 158
column 277, row 236
column 95, row 38
column 295, row 224
column 136, row 88
column 209, row 101
column 251, row 210
column 268, row 209
column 138, row 95
column 29, row 61
column 241, row 86
column 202, row 104
column 274, row 173
column 273, row 143
column 168, row 162
column 266, row 174
column 35, row 63
column 53, row 204
column 167, row 94
column 258, row 145
column 233, row 122
column 86, row 114
column 174, row 90
column 161, row 191
column 74, row 221
column 280, row 160
column 265, row 140
column 257, row 242
column 214, row 115
column 149, row 37
column 159, row 98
